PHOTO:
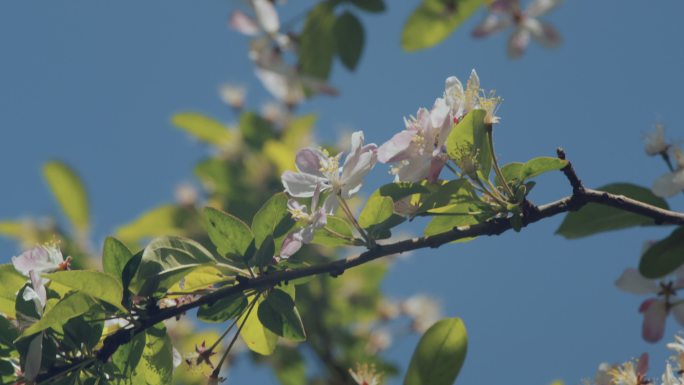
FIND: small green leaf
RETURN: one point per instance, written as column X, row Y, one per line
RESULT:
column 223, row 309
column 370, row 5
column 594, row 218
column 531, row 168
column 434, row 20
column 378, row 209
column 440, row 353
column 255, row 130
column 317, row 45
column 71, row 306
column 273, row 219
column 95, row 283
column 470, row 133
column 231, row 236
column 69, row 192
column 203, row 128
column 350, row 38
column 337, row 232
column 115, row 256
column 12, row 282
column 452, row 216
column 663, row 257
column 279, row 314
column 399, row 190
column 257, row 338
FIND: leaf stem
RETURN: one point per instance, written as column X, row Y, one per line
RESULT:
column 495, row 163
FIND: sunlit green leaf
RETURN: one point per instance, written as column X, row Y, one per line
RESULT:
column 95, row 283
column 203, row 128
column 231, row 236
column 279, row 314
column 377, row 210
column 471, row 134
column 127, row 358
column 223, row 309
column 434, row 20
column 12, row 281
column 257, row 338
column 157, row 359
column 69, row 192
column 272, row 219
column 440, row 354
column 66, row 309
column 664, row 256
column 531, row 168
column 115, row 256
column 349, row 35
column 337, row 232
column 594, row 218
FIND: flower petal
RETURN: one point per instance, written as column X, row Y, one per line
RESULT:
column 667, row 185
column 540, row 7
column 655, row 313
column 678, row 312
column 243, row 23
column 42, row 259
column 544, row 33
column 300, row 185
column 518, row 42
column 397, row 148
column 309, row 160
column 266, row 15
column 291, row 244
column 633, row 282
column 491, row 24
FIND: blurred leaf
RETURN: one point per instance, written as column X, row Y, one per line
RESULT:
column 434, row 20
column 165, row 261
column 378, row 209
column 272, row 219
column 440, row 353
column 14, row 229
column 203, row 128
column 12, row 282
column 115, row 256
column 317, row 45
column 291, row 368
column 231, row 236
column 370, row 5
column 71, row 306
column 160, row 221
column 255, row 130
column 297, row 132
column 223, row 309
column 350, row 38
column 95, row 283
column 471, row 133
column 664, row 256
column 279, row 314
column 257, row 338
column 69, row 192
column 594, row 218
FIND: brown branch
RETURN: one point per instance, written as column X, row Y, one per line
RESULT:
column 580, row 197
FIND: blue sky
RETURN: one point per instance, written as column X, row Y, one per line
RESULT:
column 94, row 83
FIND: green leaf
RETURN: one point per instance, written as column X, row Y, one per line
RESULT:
column 452, row 216
column 165, row 261
column 440, row 353
column 14, row 229
column 95, row 283
column 264, row 255
column 203, row 128
column 231, row 236
column 470, row 133
column 160, row 221
column 279, row 314
column 337, row 232
column 370, row 5
column 378, row 209
column 84, row 330
column 115, row 256
column 594, row 218
column 223, row 309
column 317, row 45
column 71, row 306
column 399, row 190
column 273, row 219
column 257, row 338
column 12, row 282
column 350, row 38
column 157, row 359
column 434, row 20
column 663, row 257
column 532, row 168
column 69, row 192
column 255, row 130
column 128, row 356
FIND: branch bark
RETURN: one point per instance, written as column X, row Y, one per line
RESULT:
column 580, row 197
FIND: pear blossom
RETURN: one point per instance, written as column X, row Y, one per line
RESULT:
column 266, row 21
column 311, row 221
column 233, row 95
column 366, row 375
column 678, row 348
column 655, row 309
column 424, row 311
column 41, row 259
column 673, row 182
column 508, row 13
column 670, row 377
column 655, row 143
column 459, row 100
column 317, row 170
column 631, row 373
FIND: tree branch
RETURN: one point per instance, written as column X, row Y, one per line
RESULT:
column 495, row 226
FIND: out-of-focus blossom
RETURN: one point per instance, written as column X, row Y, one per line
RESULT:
column 670, row 377
column 388, row 309
column 673, row 182
column 276, row 113
column 602, row 376
column 233, row 95
column 655, row 309
column 508, row 13
column 379, row 340
column 631, row 373
column 41, row 259
column 424, row 311
column 317, row 170
column 678, row 348
column 186, row 194
column 366, row 375
column 266, row 20
column 655, row 143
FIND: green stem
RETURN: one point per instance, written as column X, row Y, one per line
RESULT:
column 495, row 163
column 353, row 220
